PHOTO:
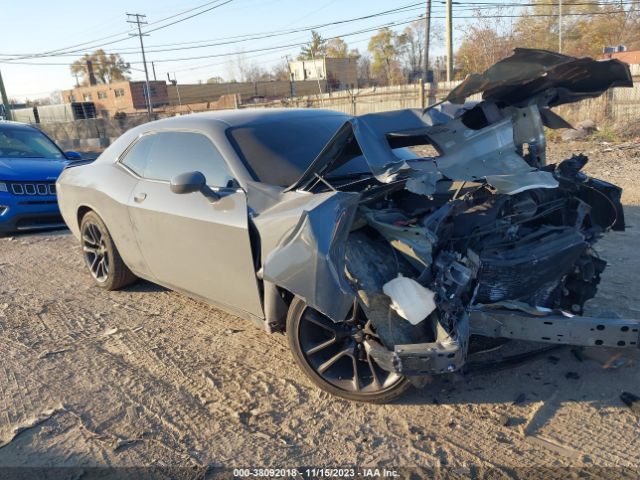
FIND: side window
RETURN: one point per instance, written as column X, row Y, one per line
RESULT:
column 137, row 157
column 173, row 153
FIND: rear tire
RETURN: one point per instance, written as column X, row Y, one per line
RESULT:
column 331, row 356
column 101, row 255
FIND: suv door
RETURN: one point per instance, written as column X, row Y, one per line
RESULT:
column 189, row 242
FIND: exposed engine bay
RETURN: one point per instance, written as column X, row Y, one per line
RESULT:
column 470, row 247
column 477, row 236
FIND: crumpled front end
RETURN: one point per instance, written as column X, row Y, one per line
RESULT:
column 463, row 228
column 474, row 250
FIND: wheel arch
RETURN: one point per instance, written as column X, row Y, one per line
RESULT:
column 81, row 212
column 276, row 303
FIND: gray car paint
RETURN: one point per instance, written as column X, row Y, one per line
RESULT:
column 207, row 240
column 300, row 233
column 200, row 236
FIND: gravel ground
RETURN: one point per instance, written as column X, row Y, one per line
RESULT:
column 148, row 376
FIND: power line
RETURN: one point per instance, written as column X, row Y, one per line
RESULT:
column 273, row 33
column 189, row 17
column 405, row 8
column 353, row 33
column 390, row 24
column 67, row 50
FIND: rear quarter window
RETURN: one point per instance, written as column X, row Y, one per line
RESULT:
column 137, row 156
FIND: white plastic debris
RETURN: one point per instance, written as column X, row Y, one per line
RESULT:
column 411, row 300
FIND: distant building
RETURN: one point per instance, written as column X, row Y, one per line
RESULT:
column 63, row 112
column 631, row 57
column 340, row 73
column 112, row 98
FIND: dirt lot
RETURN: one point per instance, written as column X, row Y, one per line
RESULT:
column 147, row 376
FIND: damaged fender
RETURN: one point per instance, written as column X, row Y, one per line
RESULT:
column 308, row 258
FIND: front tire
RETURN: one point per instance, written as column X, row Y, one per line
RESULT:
column 332, row 355
column 101, row 255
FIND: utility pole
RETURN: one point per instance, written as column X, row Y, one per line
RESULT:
column 427, row 34
column 139, row 21
column 5, row 100
column 560, row 26
column 449, row 41
column 292, row 85
column 174, row 82
column 153, row 67
column 315, row 66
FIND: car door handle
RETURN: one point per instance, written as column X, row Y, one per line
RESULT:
column 139, row 197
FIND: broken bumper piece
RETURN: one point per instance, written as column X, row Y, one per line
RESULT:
column 419, row 359
column 422, row 359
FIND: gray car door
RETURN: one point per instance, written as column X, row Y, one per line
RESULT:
column 189, row 242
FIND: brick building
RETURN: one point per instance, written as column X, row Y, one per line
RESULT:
column 631, row 57
column 111, row 98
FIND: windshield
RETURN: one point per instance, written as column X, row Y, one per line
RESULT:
column 279, row 152
column 26, row 143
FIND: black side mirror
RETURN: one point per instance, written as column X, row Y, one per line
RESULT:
column 188, row 182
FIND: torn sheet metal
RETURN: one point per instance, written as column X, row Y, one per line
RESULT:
column 528, row 83
column 467, row 154
column 414, row 241
column 512, row 184
column 412, row 301
column 530, row 72
column 303, row 243
column 528, row 129
column 423, row 184
column 366, row 136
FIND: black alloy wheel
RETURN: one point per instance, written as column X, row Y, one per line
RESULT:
column 94, row 248
column 101, row 255
column 334, row 357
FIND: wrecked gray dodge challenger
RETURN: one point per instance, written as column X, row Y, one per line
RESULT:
column 382, row 244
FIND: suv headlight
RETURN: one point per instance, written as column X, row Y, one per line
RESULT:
column 3, row 187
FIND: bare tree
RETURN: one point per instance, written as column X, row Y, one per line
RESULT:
column 485, row 41
column 595, row 25
column 280, row 71
column 245, row 70
column 364, row 70
column 413, row 37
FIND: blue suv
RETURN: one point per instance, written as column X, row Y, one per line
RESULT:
column 30, row 163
